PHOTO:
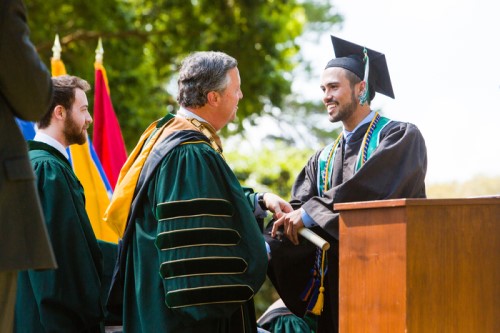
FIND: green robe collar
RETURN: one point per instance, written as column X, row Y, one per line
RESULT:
column 37, row 145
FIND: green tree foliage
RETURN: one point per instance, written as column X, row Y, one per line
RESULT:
column 144, row 41
column 269, row 170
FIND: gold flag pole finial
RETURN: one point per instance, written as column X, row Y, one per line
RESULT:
column 56, row 49
column 99, row 51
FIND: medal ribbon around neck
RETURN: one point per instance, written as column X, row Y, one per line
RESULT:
column 203, row 129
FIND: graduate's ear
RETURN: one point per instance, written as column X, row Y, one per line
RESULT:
column 213, row 98
column 360, row 89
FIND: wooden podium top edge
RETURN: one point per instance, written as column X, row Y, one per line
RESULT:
column 486, row 200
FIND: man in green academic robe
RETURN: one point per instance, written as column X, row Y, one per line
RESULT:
column 66, row 299
column 192, row 256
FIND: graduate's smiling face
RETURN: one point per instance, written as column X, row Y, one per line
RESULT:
column 77, row 120
column 339, row 98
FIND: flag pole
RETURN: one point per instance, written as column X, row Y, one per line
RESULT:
column 99, row 51
column 56, row 49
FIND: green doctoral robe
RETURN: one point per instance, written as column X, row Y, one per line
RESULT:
column 66, row 299
column 196, row 256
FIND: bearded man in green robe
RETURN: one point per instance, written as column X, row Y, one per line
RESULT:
column 66, row 299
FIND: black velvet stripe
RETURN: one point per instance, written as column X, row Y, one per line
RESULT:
column 208, row 295
column 202, row 266
column 196, row 207
column 197, row 237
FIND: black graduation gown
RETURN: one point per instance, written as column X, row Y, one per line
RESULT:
column 396, row 169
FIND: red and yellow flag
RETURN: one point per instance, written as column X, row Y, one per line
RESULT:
column 107, row 138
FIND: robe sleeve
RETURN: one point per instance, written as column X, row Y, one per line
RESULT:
column 396, row 169
column 68, row 297
column 212, row 253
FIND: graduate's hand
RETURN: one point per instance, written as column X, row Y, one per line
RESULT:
column 276, row 205
column 291, row 223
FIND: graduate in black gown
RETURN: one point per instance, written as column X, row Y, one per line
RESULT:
column 373, row 158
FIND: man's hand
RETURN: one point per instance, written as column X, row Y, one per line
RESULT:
column 291, row 223
column 276, row 205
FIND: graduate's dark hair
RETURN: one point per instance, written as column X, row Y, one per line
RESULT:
column 64, row 87
column 201, row 73
column 354, row 79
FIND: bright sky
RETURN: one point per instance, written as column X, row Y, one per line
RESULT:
column 444, row 61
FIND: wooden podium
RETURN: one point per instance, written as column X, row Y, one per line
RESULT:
column 420, row 266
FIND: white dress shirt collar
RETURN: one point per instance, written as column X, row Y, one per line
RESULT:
column 348, row 134
column 42, row 137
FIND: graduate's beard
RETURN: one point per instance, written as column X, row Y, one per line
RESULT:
column 346, row 110
column 73, row 133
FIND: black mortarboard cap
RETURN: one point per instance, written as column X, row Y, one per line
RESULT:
column 350, row 56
